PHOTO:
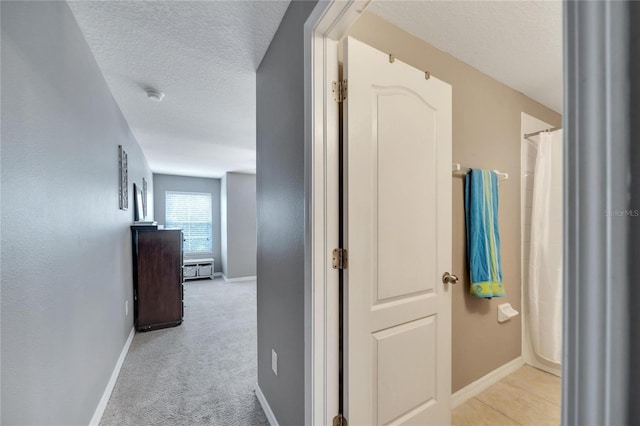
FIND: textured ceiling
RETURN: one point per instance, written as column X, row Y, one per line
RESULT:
column 516, row 42
column 203, row 56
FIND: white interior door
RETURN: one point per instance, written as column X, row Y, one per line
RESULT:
column 398, row 235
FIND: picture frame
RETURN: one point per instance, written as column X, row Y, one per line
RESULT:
column 137, row 201
column 123, row 186
column 144, row 198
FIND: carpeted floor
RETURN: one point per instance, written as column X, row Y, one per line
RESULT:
column 202, row 372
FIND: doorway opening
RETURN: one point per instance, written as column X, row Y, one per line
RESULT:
column 487, row 135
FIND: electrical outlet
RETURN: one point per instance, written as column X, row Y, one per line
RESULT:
column 274, row 361
column 126, row 308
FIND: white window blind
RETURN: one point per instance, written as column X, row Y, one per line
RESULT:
column 190, row 211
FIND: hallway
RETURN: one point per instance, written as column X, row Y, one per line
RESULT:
column 200, row 373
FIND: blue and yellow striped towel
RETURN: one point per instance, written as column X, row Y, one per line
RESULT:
column 483, row 236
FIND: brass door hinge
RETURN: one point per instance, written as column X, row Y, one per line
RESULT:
column 340, row 420
column 339, row 90
column 340, row 258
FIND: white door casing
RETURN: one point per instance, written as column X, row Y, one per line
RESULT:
column 398, row 235
column 327, row 24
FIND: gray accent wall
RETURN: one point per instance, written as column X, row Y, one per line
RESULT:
column 600, row 220
column 238, row 211
column 66, row 246
column 163, row 183
column 634, row 222
column 280, row 207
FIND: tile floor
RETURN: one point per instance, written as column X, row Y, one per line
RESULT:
column 528, row 397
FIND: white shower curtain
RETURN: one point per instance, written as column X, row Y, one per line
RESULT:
column 545, row 268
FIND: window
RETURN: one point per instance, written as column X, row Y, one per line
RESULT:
column 190, row 211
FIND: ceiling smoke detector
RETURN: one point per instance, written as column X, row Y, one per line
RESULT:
column 155, row 95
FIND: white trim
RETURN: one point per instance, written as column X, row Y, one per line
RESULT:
column 328, row 23
column 473, row 389
column 266, row 407
column 102, row 405
column 217, row 274
column 239, row 279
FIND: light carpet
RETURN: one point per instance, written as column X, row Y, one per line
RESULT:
column 202, row 372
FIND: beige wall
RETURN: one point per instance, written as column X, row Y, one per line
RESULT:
column 486, row 134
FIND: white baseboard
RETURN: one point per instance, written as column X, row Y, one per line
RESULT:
column 265, row 407
column 217, row 274
column 102, row 405
column 484, row 382
column 239, row 279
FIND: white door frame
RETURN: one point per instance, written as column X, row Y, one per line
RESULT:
column 327, row 24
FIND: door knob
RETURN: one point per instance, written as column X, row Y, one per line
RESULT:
column 448, row 278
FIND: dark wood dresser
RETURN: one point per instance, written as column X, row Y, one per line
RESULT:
column 157, row 277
